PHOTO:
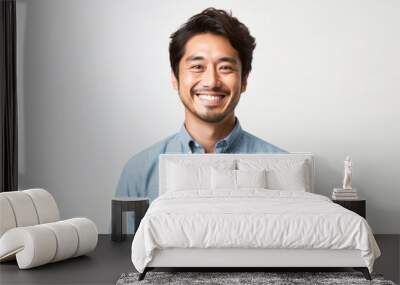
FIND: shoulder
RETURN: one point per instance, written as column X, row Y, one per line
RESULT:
column 257, row 145
column 139, row 175
column 146, row 158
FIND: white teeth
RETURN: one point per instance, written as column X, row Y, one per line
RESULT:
column 209, row 97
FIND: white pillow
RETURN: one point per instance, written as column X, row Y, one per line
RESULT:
column 251, row 178
column 225, row 179
column 182, row 178
column 188, row 175
column 282, row 174
column 288, row 179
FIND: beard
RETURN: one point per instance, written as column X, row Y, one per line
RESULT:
column 209, row 117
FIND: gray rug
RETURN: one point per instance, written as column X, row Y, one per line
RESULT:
column 269, row 278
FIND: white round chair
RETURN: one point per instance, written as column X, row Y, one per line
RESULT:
column 31, row 231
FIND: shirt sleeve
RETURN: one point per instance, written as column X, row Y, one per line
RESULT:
column 125, row 188
column 123, row 184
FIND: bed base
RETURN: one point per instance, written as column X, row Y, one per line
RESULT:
column 251, row 259
column 364, row 270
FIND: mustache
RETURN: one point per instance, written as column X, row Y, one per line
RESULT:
column 211, row 90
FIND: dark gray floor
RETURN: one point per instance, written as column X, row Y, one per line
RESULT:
column 102, row 266
column 110, row 260
column 389, row 262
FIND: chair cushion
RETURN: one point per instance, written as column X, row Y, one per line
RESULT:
column 45, row 205
column 40, row 244
column 27, row 208
column 7, row 215
column 23, row 208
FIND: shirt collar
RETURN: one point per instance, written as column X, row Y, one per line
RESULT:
column 224, row 143
column 185, row 138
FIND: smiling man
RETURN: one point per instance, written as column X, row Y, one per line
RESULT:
column 209, row 81
column 210, row 58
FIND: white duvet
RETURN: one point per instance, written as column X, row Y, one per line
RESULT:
column 251, row 218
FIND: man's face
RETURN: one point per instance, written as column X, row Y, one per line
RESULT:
column 210, row 81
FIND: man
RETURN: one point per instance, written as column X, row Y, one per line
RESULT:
column 211, row 59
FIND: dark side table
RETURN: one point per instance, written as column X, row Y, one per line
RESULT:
column 357, row 206
column 119, row 205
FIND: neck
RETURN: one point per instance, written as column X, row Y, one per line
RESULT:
column 208, row 134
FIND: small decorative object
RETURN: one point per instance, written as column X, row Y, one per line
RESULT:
column 347, row 173
column 347, row 192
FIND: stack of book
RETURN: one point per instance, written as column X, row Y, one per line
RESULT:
column 344, row 194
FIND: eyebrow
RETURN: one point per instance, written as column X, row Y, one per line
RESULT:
column 228, row 59
column 222, row 59
column 194, row 58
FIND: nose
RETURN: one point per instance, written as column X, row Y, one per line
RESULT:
column 210, row 78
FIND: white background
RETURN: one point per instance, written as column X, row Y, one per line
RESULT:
column 94, row 89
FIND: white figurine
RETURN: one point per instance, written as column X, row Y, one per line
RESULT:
column 347, row 173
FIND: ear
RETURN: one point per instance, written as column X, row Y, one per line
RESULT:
column 174, row 81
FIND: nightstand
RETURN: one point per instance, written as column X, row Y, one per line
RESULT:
column 357, row 206
column 119, row 205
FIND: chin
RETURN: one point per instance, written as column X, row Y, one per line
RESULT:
column 216, row 118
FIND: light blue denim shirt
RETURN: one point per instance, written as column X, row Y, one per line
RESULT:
column 139, row 177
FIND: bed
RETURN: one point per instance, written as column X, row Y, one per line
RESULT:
column 244, row 211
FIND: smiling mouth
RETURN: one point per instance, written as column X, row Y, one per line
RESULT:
column 210, row 99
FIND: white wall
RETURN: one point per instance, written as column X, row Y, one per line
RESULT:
column 94, row 89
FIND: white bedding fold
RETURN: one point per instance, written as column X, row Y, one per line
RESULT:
column 251, row 218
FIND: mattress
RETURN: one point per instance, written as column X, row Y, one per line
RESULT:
column 250, row 219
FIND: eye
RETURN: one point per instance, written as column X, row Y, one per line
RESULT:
column 197, row 67
column 226, row 68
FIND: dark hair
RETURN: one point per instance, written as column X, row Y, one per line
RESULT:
column 217, row 22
